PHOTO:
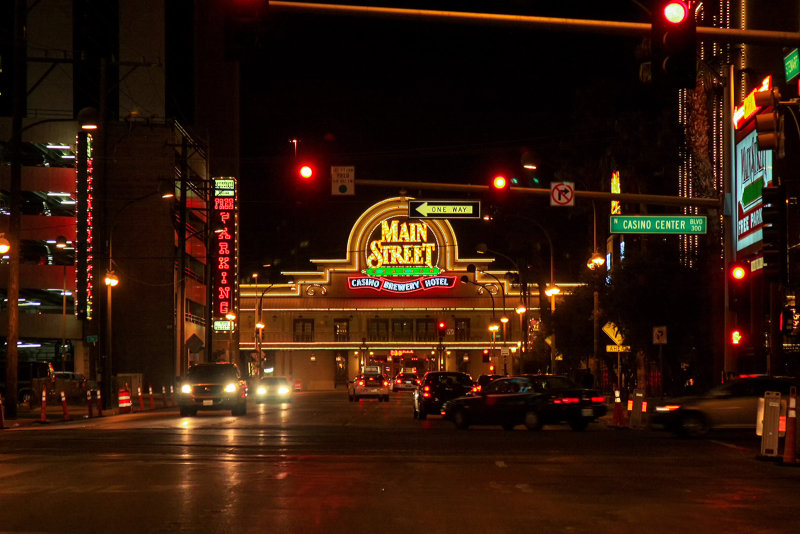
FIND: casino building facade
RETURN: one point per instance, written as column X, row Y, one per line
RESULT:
column 382, row 304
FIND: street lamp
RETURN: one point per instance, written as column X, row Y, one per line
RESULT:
column 552, row 289
column 595, row 263
column 494, row 325
column 503, row 317
column 231, row 317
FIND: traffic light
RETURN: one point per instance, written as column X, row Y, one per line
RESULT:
column 769, row 122
column 673, row 43
column 737, row 337
column 500, row 183
column 738, row 301
column 305, row 171
column 485, row 355
column 773, row 231
column 738, row 272
column 441, row 329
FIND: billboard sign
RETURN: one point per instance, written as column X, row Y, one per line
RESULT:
column 753, row 171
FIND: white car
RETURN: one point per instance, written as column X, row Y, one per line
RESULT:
column 368, row 385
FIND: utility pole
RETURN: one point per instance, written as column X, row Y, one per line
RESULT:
column 15, row 219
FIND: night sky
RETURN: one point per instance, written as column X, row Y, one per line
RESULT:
column 439, row 102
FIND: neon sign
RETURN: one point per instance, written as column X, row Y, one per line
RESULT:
column 225, row 246
column 400, row 247
column 406, row 286
column 85, row 225
column 749, row 107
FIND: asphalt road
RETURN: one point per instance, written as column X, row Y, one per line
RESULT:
column 323, row 464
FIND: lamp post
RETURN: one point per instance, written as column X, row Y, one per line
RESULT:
column 595, row 263
column 259, row 325
column 231, row 317
column 494, row 326
column 551, row 291
column 362, row 361
column 503, row 317
column 61, row 243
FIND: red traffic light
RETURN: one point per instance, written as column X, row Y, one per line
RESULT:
column 676, row 12
column 305, row 171
column 738, row 271
column 499, row 182
column 486, row 351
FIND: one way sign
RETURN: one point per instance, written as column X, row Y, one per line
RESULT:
column 444, row 209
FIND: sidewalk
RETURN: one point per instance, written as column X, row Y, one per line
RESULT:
column 27, row 415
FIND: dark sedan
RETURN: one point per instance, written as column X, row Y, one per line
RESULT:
column 532, row 400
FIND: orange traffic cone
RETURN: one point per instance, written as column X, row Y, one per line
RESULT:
column 790, row 441
column 619, row 412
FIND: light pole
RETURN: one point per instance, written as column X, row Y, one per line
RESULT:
column 595, row 263
column 231, row 317
column 503, row 317
column 259, row 325
column 494, row 326
column 61, row 243
column 551, row 291
column 363, row 357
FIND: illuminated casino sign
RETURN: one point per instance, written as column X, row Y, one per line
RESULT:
column 401, row 256
column 225, row 244
column 404, row 286
column 401, row 247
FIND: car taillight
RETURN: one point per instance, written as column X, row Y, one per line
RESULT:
column 398, row 381
column 360, row 382
column 386, row 383
column 599, row 399
column 567, row 400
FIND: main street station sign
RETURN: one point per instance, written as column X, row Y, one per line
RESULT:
column 402, row 256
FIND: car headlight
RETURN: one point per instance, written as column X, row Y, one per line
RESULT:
column 283, row 390
column 261, row 390
column 186, row 388
column 230, row 388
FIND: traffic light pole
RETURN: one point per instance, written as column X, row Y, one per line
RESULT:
column 606, row 27
column 659, row 200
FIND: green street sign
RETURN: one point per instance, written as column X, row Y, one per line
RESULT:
column 658, row 224
column 791, row 64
